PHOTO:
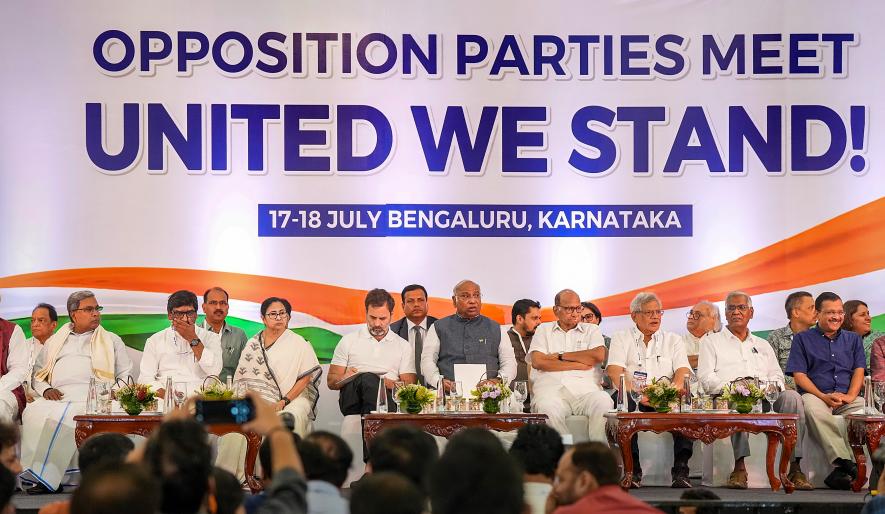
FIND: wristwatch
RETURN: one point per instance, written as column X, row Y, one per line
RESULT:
column 560, row 355
column 195, row 341
column 286, row 400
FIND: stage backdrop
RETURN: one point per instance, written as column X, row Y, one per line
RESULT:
column 315, row 150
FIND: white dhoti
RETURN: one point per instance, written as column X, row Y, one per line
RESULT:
column 8, row 407
column 557, row 404
column 48, row 447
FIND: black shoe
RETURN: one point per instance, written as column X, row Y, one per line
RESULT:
column 839, row 480
column 680, row 477
column 849, row 468
column 40, row 489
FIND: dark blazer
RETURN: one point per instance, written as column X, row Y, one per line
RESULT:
column 401, row 327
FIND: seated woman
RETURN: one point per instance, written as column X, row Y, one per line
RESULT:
column 281, row 366
column 858, row 320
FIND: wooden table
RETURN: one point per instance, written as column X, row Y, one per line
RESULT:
column 143, row 425
column 707, row 427
column 863, row 429
column 445, row 425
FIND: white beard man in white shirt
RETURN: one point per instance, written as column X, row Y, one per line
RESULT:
column 186, row 352
column 646, row 351
column 79, row 351
column 566, row 356
column 735, row 353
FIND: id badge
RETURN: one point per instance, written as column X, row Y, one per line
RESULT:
column 640, row 376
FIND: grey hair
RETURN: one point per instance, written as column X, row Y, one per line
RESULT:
column 461, row 283
column 77, row 297
column 734, row 294
column 643, row 298
column 714, row 311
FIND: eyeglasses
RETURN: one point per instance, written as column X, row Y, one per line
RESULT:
column 464, row 297
column 742, row 307
column 276, row 315
column 90, row 309
column 587, row 318
column 570, row 309
column 184, row 314
column 651, row 313
column 694, row 315
column 838, row 314
column 217, row 303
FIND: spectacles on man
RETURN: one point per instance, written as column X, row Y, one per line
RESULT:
column 90, row 309
column 652, row 313
column 570, row 309
column 695, row 315
column 741, row 307
column 184, row 314
column 276, row 315
column 838, row 314
column 464, row 297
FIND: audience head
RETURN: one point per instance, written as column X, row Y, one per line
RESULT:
column 275, row 313
column 112, row 489
column 414, row 298
column 7, row 490
column 264, row 457
column 526, row 316
column 103, row 449
column 537, row 449
column 830, row 312
column 406, row 450
column 476, row 476
column 84, row 311
column 386, row 493
column 379, row 312
column 228, row 492
column 800, row 308
column 178, row 454
column 325, row 457
column 857, row 317
column 467, row 299
column 698, row 493
column 216, row 304
column 591, row 313
column 738, row 310
column 567, row 308
column 647, row 312
column 9, row 437
column 44, row 321
column 583, row 469
column 703, row 318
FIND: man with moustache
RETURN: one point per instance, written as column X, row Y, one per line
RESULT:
column 526, row 316
column 466, row 337
column 828, row 365
column 735, row 353
column 414, row 324
column 702, row 319
column 373, row 353
column 216, row 306
column 801, row 315
column 44, row 321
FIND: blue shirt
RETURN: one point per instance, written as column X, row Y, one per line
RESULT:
column 325, row 498
column 829, row 363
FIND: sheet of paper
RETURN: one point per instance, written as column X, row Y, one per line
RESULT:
column 469, row 375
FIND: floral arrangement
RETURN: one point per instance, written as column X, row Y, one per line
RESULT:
column 414, row 397
column 135, row 398
column 661, row 393
column 491, row 394
column 743, row 394
column 213, row 389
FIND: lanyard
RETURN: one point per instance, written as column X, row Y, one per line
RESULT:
column 641, row 350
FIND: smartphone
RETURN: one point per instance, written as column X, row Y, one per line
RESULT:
column 218, row 412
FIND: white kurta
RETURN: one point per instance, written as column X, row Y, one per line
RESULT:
column 48, row 426
column 167, row 354
column 724, row 358
column 17, row 372
column 660, row 357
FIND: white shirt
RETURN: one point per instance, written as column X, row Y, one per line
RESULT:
column 550, row 338
column 724, row 358
column 660, row 357
column 535, row 496
column 423, row 328
column 16, row 361
column 167, row 354
column 73, row 365
column 430, row 354
column 392, row 355
column 692, row 344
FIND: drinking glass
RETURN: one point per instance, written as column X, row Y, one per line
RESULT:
column 636, row 392
column 772, row 391
column 179, row 393
column 103, row 394
column 520, row 393
column 879, row 394
column 396, row 387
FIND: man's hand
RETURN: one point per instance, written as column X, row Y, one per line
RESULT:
column 844, row 398
column 185, row 329
column 266, row 418
column 832, row 400
column 448, row 385
column 389, row 383
column 53, row 394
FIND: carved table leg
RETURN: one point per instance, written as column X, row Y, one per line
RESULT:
column 788, row 438
column 769, row 460
column 624, row 436
column 857, row 438
column 253, row 442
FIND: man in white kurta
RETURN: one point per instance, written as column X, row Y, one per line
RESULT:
column 565, row 356
column 80, row 350
column 733, row 353
column 14, row 351
column 648, row 352
column 44, row 321
column 184, row 351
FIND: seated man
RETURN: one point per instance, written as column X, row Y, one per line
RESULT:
column 526, row 316
column 374, row 351
column 565, row 357
column 13, row 371
column 702, row 319
column 184, row 351
column 801, row 315
column 647, row 352
column 466, row 337
column 415, row 321
column 79, row 351
column 828, row 365
column 326, row 459
column 735, row 353
column 537, row 449
column 44, row 321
